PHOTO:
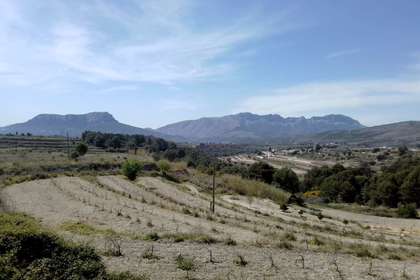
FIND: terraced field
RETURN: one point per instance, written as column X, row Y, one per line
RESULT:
column 165, row 230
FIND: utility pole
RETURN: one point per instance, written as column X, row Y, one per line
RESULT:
column 214, row 189
column 68, row 145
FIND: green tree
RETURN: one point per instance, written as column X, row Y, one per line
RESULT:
column 410, row 189
column 81, row 149
column 261, row 171
column 286, row 179
column 385, row 191
column 131, row 168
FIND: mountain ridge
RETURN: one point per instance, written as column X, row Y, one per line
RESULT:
column 242, row 128
column 393, row 134
column 74, row 125
column 245, row 127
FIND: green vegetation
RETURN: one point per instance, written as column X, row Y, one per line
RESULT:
column 84, row 229
column 184, row 263
column 395, row 186
column 407, row 211
column 131, row 168
column 81, row 149
column 261, row 171
column 164, row 166
column 29, row 252
column 286, row 179
column 117, row 142
column 236, row 184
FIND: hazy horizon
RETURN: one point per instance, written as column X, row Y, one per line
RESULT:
column 151, row 63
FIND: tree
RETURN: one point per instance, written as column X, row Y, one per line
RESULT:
column 131, row 168
column 286, row 179
column 402, row 150
column 410, row 189
column 261, row 171
column 81, row 149
column 385, row 191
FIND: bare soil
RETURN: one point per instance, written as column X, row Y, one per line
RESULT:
column 247, row 238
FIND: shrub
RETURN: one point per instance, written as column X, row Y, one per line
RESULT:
column 131, row 168
column 74, row 155
column 230, row 242
column 152, row 236
column 26, row 251
column 240, row 260
column 289, row 236
column 184, row 263
column 164, row 166
column 285, row 245
column 81, row 149
column 408, row 211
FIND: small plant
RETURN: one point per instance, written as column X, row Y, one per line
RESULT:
column 74, row 155
column 361, row 251
column 240, row 260
column 131, row 168
column 316, row 241
column 184, row 263
column 289, row 236
column 320, row 216
column 113, row 246
column 407, row 211
column 152, row 236
column 283, row 207
column 285, row 245
column 149, row 254
column 230, row 242
column 186, row 211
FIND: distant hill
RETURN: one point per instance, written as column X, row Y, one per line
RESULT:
column 74, row 125
column 394, row 134
column 252, row 128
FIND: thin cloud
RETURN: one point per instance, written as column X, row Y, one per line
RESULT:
column 341, row 53
column 147, row 41
column 308, row 98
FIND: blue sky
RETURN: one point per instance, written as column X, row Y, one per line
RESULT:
column 153, row 62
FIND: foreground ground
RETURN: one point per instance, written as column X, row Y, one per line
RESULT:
column 164, row 229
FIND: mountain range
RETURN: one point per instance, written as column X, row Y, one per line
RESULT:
column 237, row 128
column 252, row 128
column 73, row 125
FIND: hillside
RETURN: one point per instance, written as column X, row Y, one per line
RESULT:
column 74, row 125
column 247, row 127
column 395, row 134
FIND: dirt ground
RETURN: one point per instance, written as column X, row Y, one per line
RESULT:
column 247, row 238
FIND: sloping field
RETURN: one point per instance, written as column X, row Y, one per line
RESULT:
column 165, row 230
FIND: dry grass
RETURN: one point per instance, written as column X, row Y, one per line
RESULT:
column 238, row 185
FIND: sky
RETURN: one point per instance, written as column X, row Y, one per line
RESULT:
column 154, row 62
